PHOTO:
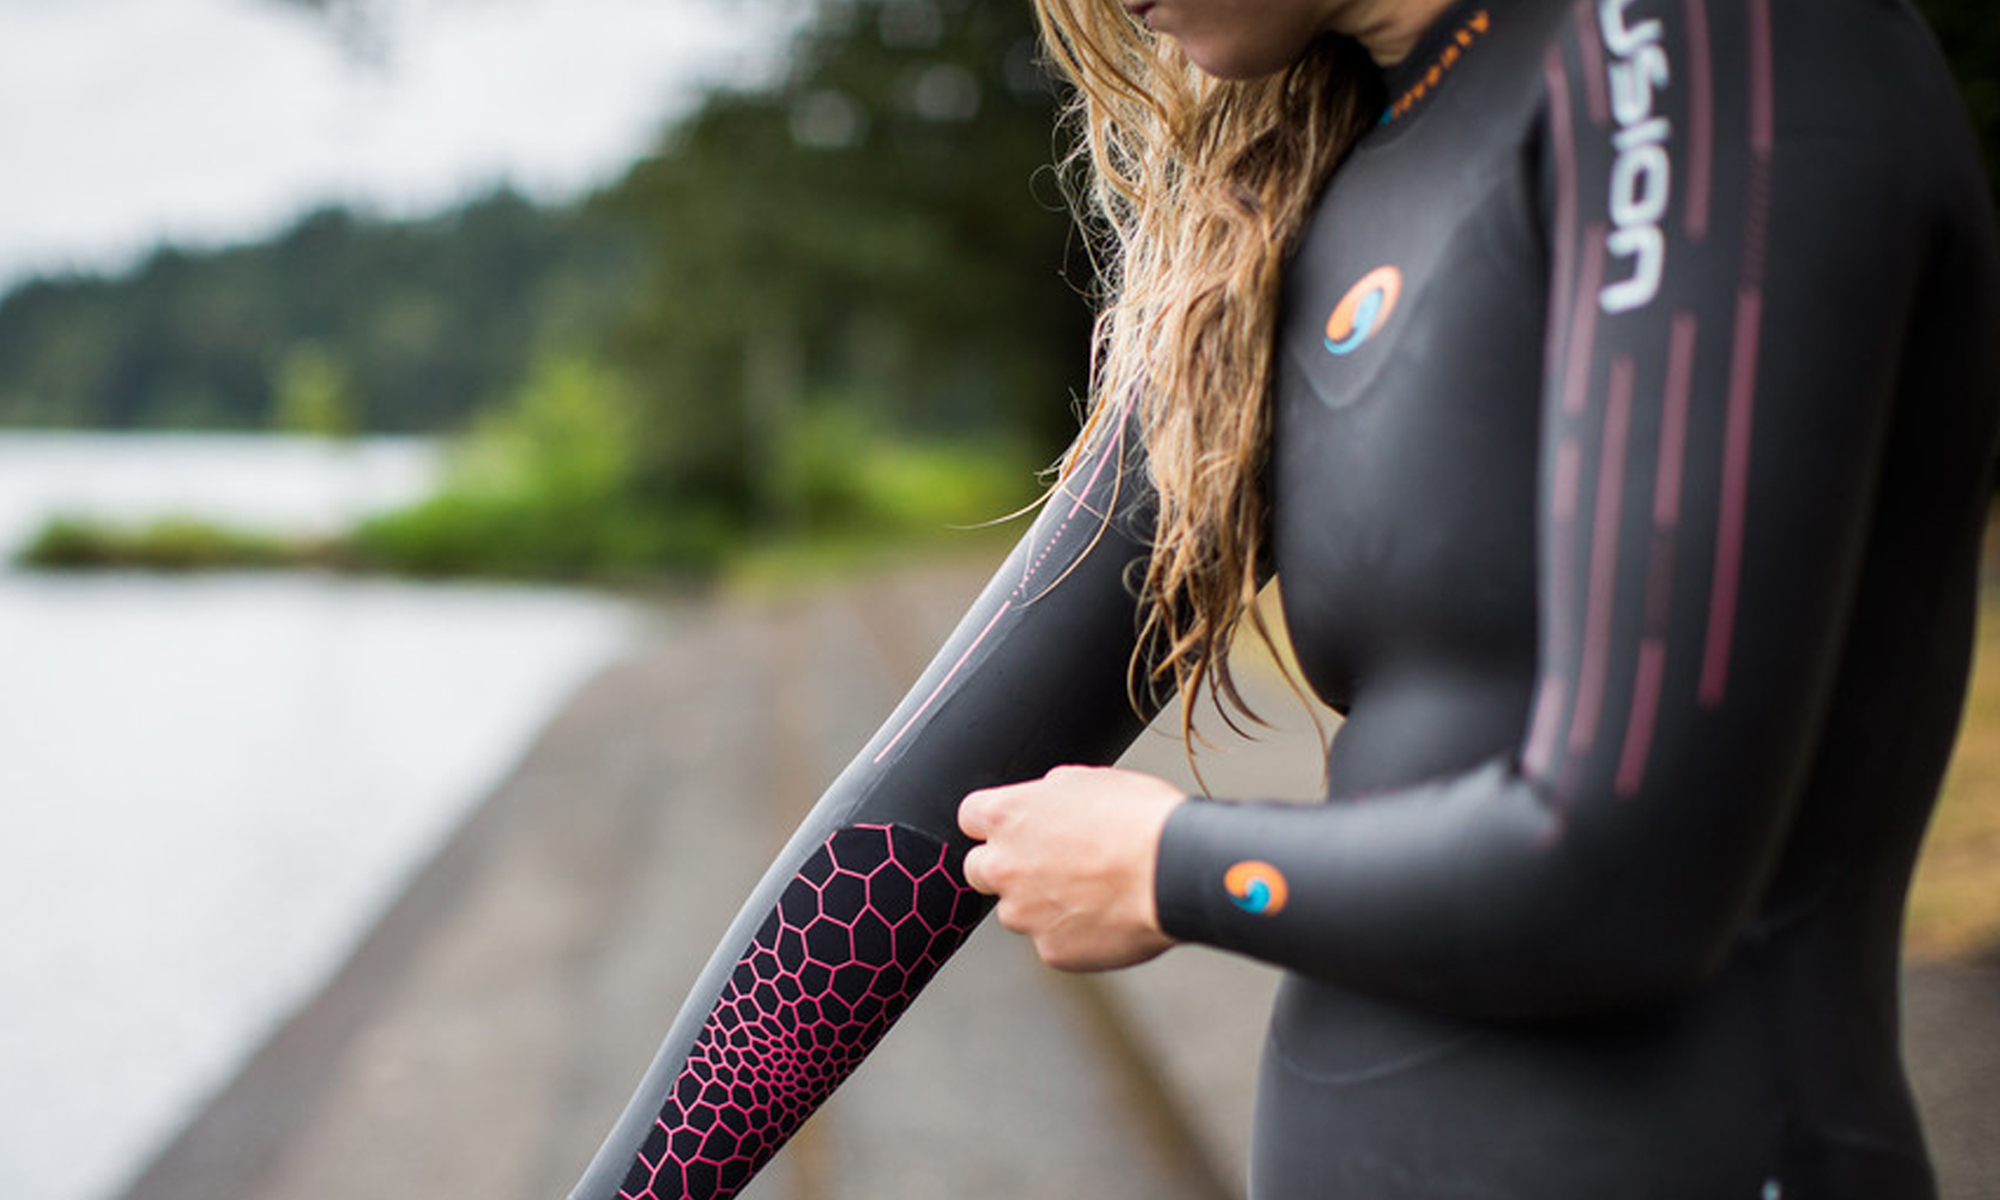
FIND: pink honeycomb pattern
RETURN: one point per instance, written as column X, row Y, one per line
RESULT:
column 855, row 935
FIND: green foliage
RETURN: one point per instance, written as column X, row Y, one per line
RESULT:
column 566, row 437
column 520, row 536
column 543, row 488
column 547, row 488
column 170, row 544
column 840, row 475
column 314, row 395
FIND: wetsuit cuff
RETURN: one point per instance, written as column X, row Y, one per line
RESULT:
column 1179, row 893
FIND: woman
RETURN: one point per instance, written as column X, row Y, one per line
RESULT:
column 1620, row 417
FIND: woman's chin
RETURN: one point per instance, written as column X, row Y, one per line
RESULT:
column 1235, row 62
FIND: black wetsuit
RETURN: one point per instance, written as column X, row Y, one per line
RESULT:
column 1635, row 425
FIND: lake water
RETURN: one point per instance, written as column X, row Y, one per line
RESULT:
column 210, row 786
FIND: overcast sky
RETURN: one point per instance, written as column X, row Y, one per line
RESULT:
column 125, row 122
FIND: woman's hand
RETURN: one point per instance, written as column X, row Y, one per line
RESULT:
column 1071, row 856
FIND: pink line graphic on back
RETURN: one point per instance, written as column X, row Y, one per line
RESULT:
column 1604, row 542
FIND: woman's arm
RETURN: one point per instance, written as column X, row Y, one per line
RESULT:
column 868, row 898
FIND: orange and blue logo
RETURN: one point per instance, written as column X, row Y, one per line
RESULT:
column 1363, row 310
column 1257, row 887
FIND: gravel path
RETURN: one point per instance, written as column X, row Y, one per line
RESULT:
column 481, row 1040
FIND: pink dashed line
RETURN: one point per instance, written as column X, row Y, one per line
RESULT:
column 1035, row 566
column 1114, row 449
column 943, row 683
column 1116, row 444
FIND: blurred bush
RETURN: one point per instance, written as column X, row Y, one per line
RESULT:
column 169, row 544
column 543, row 488
column 840, row 473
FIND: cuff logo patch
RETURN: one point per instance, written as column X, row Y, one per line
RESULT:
column 1257, row 887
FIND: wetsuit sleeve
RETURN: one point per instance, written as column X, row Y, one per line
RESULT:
column 1734, row 243
column 868, row 898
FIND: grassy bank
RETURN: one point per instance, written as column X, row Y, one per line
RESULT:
column 171, row 544
column 555, row 486
column 501, row 538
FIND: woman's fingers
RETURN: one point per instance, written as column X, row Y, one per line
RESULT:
column 984, row 812
column 976, row 875
column 974, row 820
column 981, row 813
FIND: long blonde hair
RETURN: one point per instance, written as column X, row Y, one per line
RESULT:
column 1193, row 192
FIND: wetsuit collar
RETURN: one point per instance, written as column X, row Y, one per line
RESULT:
column 1455, row 33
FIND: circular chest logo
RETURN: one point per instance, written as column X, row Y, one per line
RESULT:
column 1363, row 310
column 1257, row 887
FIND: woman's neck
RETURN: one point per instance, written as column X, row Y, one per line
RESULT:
column 1387, row 29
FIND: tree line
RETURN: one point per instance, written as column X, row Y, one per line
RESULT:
column 801, row 307
column 422, row 323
